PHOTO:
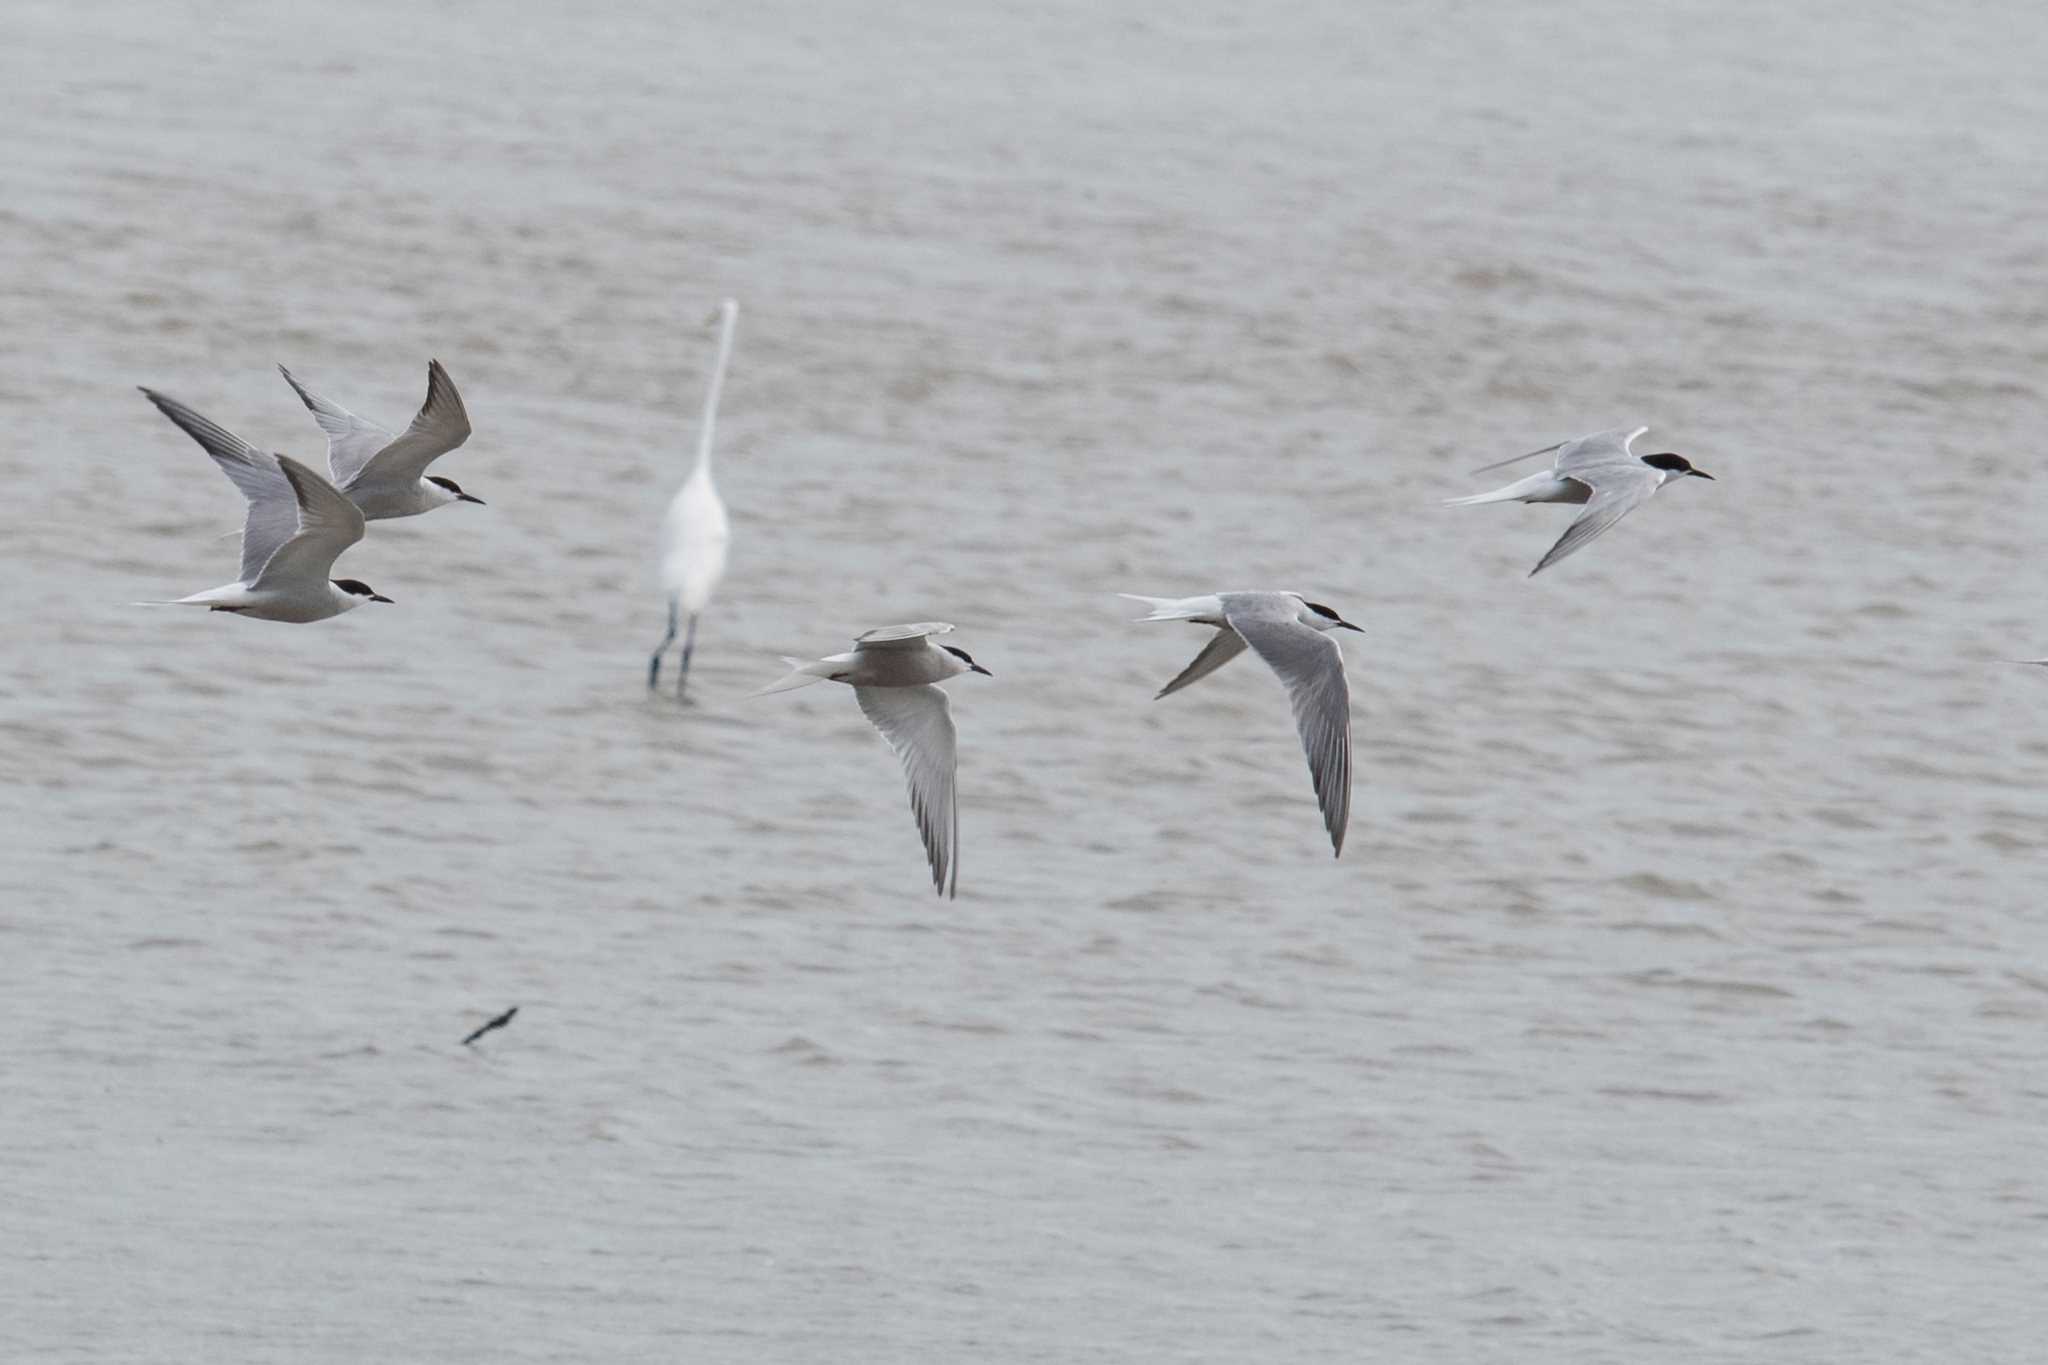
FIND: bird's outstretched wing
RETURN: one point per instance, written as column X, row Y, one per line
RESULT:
column 1599, row 441
column 1619, row 481
column 1225, row 645
column 1602, row 450
column 360, row 452
column 328, row 524
column 1608, row 505
column 901, row 637
column 1311, row 665
column 918, row 723
column 273, row 515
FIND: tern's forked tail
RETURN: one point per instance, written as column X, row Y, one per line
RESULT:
column 1514, row 492
column 1543, row 486
column 802, row 675
column 1175, row 608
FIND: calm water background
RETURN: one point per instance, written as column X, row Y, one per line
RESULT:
column 1681, row 994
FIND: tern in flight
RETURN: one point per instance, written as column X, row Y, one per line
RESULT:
column 386, row 474
column 892, row 670
column 297, row 526
column 1291, row 634
column 1599, row 471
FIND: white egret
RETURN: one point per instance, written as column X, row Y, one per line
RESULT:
column 694, row 533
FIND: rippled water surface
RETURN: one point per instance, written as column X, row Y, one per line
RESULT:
column 1681, row 992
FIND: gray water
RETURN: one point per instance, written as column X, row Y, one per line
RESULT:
column 1679, row 996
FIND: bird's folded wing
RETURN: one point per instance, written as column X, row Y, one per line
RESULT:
column 918, row 723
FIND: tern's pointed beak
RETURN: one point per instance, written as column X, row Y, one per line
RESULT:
column 977, row 668
column 378, row 597
column 1702, row 474
column 464, row 497
column 1346, row 625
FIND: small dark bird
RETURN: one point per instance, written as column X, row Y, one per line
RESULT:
column 498, row 1022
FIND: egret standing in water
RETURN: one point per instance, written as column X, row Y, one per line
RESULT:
column 694, row 533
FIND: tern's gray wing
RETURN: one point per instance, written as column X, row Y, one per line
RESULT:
column 900, row 637
column 918, row 723
column 1599, row 444
column 361, row 452
column 1617, row 491
column 351, row 440
column 1225, row 645
column 328, row 524
column 273, row 510
column 1589, row 455
column 1312, row 666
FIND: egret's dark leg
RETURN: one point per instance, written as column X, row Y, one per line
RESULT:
column 654, row 664
column 689, row 643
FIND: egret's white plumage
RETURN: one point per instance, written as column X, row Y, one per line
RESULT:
column 892, row 670
column 1290, row 633
column 383, row 473
column 297, row 526
column 694, row 532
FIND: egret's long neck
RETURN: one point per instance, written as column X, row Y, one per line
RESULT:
column 728, row 318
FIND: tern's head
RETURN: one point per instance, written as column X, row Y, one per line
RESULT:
column 971, row 666
column 357, row 591
column 451, row 490
column 1322, row 618
column 1675, row 467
